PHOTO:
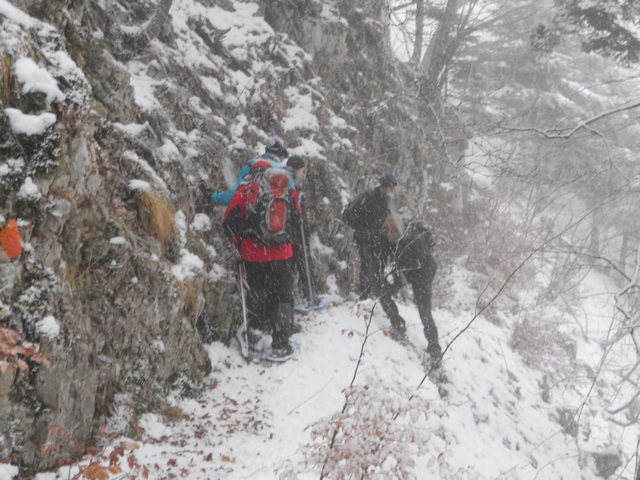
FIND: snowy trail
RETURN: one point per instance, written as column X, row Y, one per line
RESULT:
column 253, row 421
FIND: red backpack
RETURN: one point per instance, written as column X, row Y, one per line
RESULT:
column 269, row 206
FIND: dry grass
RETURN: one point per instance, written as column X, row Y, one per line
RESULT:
column 189, row 298
column 5, row 68
column 158, row 215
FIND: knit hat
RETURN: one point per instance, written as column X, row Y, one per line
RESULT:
column 388, row 180
column 295, row 162
column 276, row 146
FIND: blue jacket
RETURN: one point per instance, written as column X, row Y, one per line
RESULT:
column 224, row 198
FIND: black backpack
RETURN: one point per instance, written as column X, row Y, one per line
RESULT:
column 269, row 208
column 353, row 212
column 414, row 250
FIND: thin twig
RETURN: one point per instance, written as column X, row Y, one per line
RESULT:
column 355, row 374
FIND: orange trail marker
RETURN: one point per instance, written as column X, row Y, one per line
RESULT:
column 10, row 240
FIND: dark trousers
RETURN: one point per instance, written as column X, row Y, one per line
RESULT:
column 372, row 266
column 373, row 260
column 422, row 284
column 301, row 264
column 270, row 298
column 391, row 310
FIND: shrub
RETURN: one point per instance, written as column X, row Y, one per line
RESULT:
column 542, row 345
column 15, row 353
column 376, row 435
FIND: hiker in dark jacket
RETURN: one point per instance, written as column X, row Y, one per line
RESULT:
column 415, row 262
column 275, row 153
column 369, row 214
column 269, row 269
column 301, row 246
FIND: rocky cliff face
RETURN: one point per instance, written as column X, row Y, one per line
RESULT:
column 138, row 102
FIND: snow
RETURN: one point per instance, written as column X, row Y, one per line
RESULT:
column 118, row 241
column 48, row 327
column 65, row 64
column 11, row 166
column 212, row 85
column 168, row 152
column 139, row 185
column 143, row 87
column 133, row 129
column 201, row 222
column 218, row 272
column 16, row 15
column 29, row 190
column 181, row 225
column 263, row 421
column 500, row 418
column 300, row 115
column 144, row 165
column 318, row 246
column 310, row 148
column 7, row 472
column 37, row 79
column 25, row 124
column 189, row 266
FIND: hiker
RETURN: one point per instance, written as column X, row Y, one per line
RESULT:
column 266, row 253
column 415, row 264
column 301, row 246
column 370, row 215
column 275, row 153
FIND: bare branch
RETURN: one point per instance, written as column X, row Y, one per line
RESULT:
column 564, row 133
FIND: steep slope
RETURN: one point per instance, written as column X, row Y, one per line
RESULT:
column 111, row 116
column 495, row 417
column 106, row 130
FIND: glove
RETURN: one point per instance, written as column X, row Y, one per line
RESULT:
column 220, row 198
column 205, row 190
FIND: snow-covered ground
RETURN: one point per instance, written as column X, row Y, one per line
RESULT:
column 495, row 418
column 499, row 419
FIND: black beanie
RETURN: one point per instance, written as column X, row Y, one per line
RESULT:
column 295, row 162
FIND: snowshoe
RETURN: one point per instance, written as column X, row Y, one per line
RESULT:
column 250, row 342
column 281, row 355
column 318, row 303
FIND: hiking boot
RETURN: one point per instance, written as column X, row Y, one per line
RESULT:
column 434, row 352
column 430, row 361
column 255, row 340
column 282, row 353
column 398, row 334
column 314, row 301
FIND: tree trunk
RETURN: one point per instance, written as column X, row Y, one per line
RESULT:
column 440, row 50
column 417, row 43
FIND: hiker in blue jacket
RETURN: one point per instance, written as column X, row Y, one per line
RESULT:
column 275, row 153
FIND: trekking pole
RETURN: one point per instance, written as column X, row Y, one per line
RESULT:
column 245, row 333
column 306, row 264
